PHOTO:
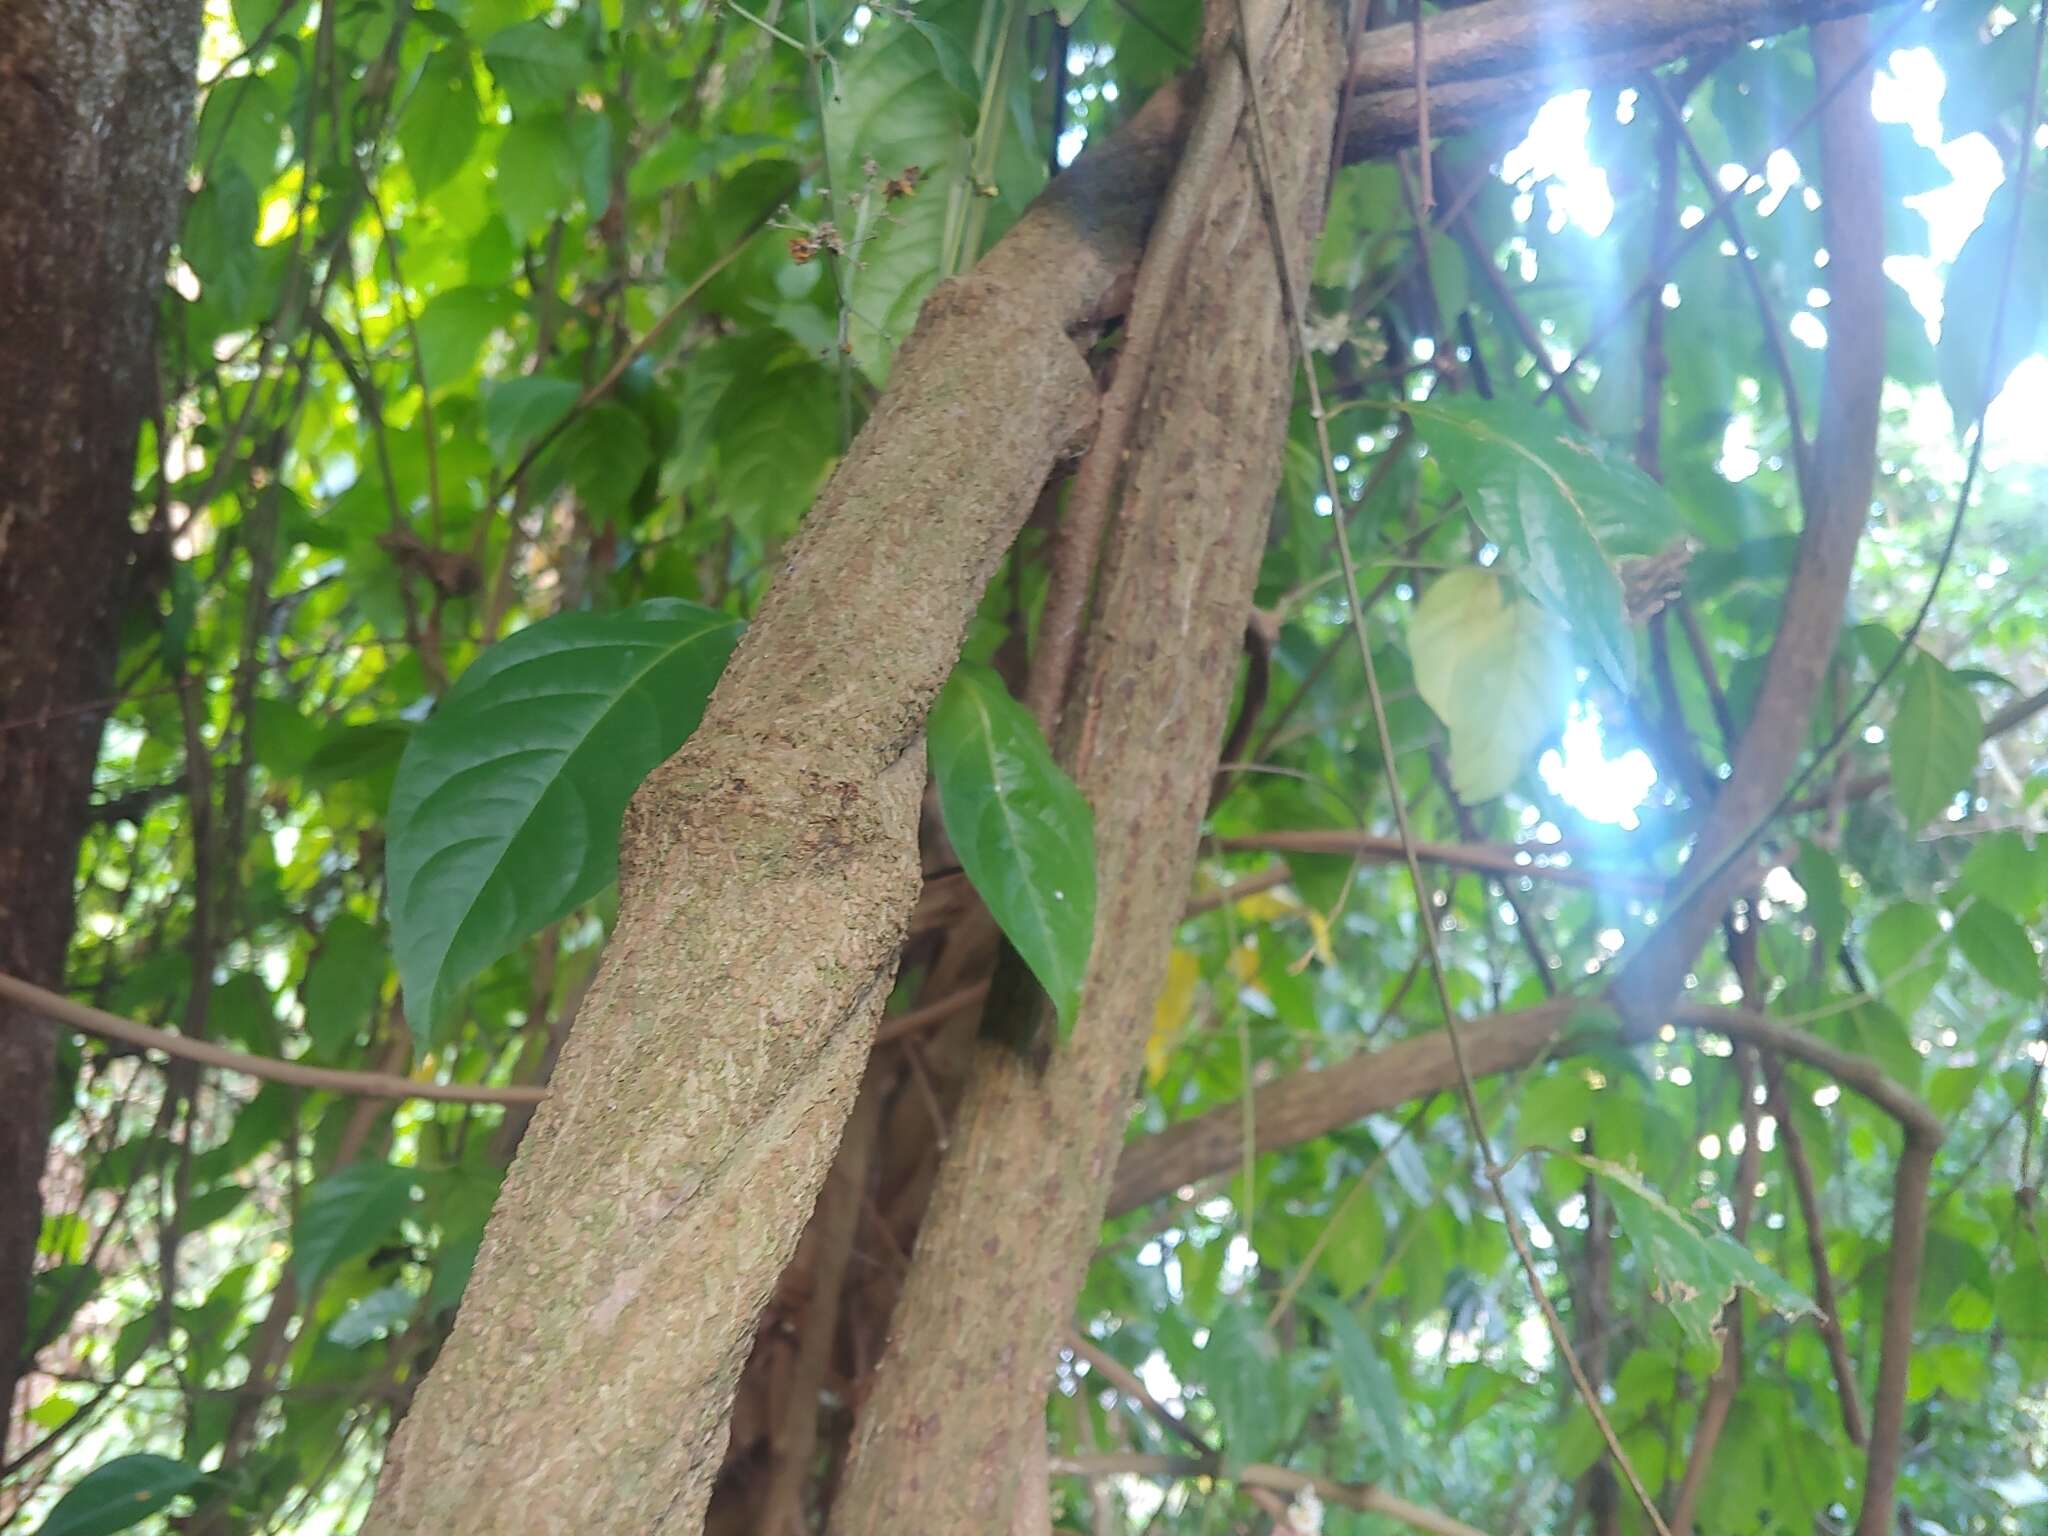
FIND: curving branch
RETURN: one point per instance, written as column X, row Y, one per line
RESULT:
column 1317, row 1100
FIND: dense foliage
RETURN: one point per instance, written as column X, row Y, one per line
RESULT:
column 506, row 344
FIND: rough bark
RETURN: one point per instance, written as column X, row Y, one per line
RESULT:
column 95, row 103
column 768, row 874
column 959, row 1398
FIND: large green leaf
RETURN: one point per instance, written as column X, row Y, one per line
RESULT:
column 1496, row 669
column 118, row 1494
column 506, row 810
column 1934, row 739
column 1559, row 505
column 346, row 1214
column 1695, row 1273
column 1024, row 834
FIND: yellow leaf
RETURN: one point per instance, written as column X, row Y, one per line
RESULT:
column 1170, row 1013
column 1319, row 931
column 1266, row 907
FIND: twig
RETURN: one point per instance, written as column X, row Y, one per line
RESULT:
column 369, row 1085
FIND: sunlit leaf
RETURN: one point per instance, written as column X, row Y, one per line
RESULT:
column 453, row 328
column 1908, row 948
column 1497, row 671
column 1170, row 1013
column 1560, row 506
column 1971, row 376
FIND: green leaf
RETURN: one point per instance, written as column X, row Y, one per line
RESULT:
column 892, row 103
column 533, row 64
column 343, row 984
column 2002, row 868
column 1970, row 300
column 516, row 411
column 347, row 1214
column 219, row 242
column 118, row 1494
column 605, row 453
column 777, row 434
column 1696, row 1272
column 1025, row 836
column 955, row 68
column 1998, row 949
column 1934, row 739
column 1374, row 1396
column 438, row 132
column 1820, row 877
column 1909, row 950
column 453, row 329
column 537, row 174
column 1497, row 671
column 1555, row 502
column 377, row 1314
column 506, row 811
column 1549, row 1109
column 590, row 143
column 1246, row 1378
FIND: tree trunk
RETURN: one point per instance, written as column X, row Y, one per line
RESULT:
column 958, row 1406
column 703, row 1090
column 95, row 102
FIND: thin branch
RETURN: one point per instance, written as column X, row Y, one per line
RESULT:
column 369, row 1085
